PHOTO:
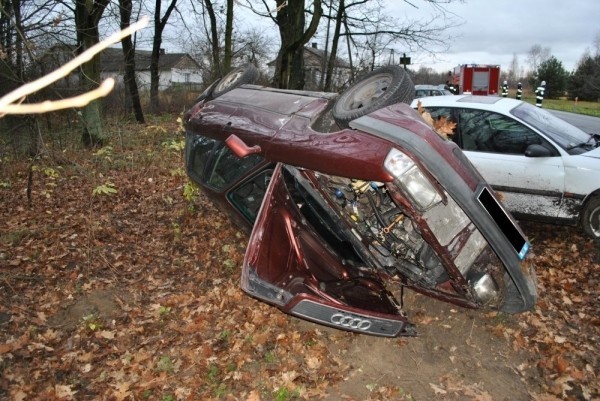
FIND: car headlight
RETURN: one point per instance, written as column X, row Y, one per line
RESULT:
column 413, row 180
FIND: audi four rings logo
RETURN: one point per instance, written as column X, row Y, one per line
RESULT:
column 351, row 322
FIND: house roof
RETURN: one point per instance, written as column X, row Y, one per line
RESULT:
column 111, row 59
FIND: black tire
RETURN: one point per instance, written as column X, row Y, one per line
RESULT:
column 379, row 88
column 245, row 74
column 207, row 94
column 590, row 218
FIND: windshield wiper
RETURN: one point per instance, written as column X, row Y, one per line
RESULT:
column 587, row 143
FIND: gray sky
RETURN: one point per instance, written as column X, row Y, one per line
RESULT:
column 492, row 31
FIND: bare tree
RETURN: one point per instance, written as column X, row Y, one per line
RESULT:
column 596, row 44
column 294, row 33
column 289, row 72
column 87, row 17
column 368, row 26
column 214, row 39
column 513, row 70
column 228, row 51
column 126, row 7
column 537, row 55
column 159, row 26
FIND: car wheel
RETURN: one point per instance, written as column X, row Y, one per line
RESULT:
column 380, row 88
column 590, row 218
column 245, row 74
column 207, row 92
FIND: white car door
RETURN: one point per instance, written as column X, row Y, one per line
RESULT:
column 496, row 145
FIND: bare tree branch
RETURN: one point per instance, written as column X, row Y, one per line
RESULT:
column 6, row 102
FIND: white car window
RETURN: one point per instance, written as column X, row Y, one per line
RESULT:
column 563, row 133
column 486, row 131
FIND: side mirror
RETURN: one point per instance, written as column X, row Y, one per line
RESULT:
column 536, row 150
column 239, row 147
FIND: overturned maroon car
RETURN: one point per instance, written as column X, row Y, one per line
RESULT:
column 351, row 197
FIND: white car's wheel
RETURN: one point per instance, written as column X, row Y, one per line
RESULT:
column 590, row 218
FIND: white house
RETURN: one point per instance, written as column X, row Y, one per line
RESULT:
column 175, row 69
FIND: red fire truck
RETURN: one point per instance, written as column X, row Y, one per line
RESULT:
column 477, row 79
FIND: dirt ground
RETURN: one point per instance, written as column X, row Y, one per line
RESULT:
column 135, row 295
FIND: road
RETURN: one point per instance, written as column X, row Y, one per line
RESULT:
column 588, row 124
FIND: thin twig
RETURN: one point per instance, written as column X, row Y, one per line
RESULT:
column 6, row 102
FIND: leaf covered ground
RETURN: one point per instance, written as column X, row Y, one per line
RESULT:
column 116, row 286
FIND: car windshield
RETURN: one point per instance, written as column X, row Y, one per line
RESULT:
column 564, row 134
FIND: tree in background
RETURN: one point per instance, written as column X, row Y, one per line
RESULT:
column 584, row 83
column 537, row 55
column 290, row 19
column 228, row 50
column 87, row 17
column 555, row 75
column 515, row 72
column 125, row 7
column 159, row 26
column 428, row 76
column 220, row 65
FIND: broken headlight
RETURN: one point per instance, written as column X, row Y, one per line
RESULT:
column 412, row 179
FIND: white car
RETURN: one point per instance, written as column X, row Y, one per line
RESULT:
column 431, row 90
column 546, row 168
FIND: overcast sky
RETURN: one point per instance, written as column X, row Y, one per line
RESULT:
column 492, row 31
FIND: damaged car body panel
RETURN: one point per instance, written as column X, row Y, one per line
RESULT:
column 349, row 216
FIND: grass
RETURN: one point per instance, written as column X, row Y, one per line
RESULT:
column 563, row 104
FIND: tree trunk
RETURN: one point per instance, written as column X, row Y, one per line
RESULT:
column 87, row 16
column 289, row 73
column 228, row 51
column 159, row 27
column 129, row 56
column 217, row 71
column 334, row 46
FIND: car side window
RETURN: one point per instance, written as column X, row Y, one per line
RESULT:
column 226, row 167
column 212, row 163
column 198, row 151
column 438, row 113
column 485, row 131
column 248, row 197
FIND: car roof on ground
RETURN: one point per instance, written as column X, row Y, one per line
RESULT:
column 492, row 103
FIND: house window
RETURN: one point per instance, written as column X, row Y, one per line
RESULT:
column 186, row 77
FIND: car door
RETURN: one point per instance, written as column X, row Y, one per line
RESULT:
column 300, row 259
column 497, row 145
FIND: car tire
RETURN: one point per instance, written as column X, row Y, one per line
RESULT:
column 590, row 218
column 379, row 88
column 245, row 74
column 207, row 93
